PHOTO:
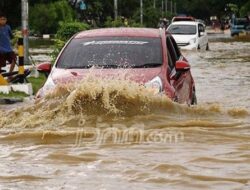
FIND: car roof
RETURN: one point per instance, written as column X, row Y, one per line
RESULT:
column 185, row 23
column 182, row 18
column 129, row 32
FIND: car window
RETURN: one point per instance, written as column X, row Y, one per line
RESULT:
column 182, row 29
column 176, row 48
column 170, row 61
column 172, row 54
column 112, row 52
column 201, row 28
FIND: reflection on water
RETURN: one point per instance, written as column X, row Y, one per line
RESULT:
column 116, row 134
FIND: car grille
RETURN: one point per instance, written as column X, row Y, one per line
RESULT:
column 182, row 44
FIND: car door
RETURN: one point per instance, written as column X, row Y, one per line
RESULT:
column 180, row 80
column 202, row 36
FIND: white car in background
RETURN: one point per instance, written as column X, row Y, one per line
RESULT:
column 189, row 35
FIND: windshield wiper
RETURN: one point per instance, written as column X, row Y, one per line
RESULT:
column 147, row 65
column 89, row 66
column 79, row 67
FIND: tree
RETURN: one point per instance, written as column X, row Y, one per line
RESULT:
column 12, row 9
column 245, row 9
column 99, row 10
column 45, row 18
column 204, row 9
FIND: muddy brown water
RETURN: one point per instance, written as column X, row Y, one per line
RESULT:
column 116, row 135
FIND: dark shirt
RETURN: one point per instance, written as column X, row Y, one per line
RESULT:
column 5, row 36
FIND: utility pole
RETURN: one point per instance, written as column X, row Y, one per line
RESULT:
column 175, row 11
column 171, row 6
column 154, row 4
column 116, row 9
column 25, row 30
column 141, row 5
column 162, row 8
column 166, row 6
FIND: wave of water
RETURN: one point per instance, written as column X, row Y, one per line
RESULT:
column 94, row 103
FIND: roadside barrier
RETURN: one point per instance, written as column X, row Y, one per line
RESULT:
column 3, row 81
column 20, row 56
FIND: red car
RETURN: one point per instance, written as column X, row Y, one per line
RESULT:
column 150, row 56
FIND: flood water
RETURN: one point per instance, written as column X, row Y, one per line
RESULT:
column 115, row 135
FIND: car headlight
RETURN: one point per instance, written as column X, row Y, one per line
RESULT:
column 192, row 41
column 154, row 85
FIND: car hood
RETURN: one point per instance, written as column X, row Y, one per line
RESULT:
column 183, row 38
column 139, row 75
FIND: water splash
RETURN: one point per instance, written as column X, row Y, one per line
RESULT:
column 78, row 104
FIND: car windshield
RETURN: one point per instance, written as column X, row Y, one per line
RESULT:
column 182, row 29
column 112, row 52
column 182, row 19
column 241, row 22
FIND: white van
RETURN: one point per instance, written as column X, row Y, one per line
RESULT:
column 189, row 35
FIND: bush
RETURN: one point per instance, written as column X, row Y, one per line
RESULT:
column 245, row 9
column 64, row 33
column 120, row 22
column 66, row 30
column 45, row 18
column 151, row 17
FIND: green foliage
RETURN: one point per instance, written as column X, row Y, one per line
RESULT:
column 45, row 18
column 12, row 94
column 132, row 23
column 121, row 22
column 114, row 23
column 17, row 34
column 199, row 8
column 68, row 29
column 37, row 83
column 245, row 9
column 233, row 7
column 46, row 14
column 65, row 32
column 58, row 45
column 151, row 17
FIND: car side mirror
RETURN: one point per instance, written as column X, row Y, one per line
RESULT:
column 182, row 66
column 44, row 68
column 201, row 33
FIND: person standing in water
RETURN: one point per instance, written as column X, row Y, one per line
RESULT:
column 6, row 52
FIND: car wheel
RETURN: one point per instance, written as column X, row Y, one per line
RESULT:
column 207, row 47
column 194, row 99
